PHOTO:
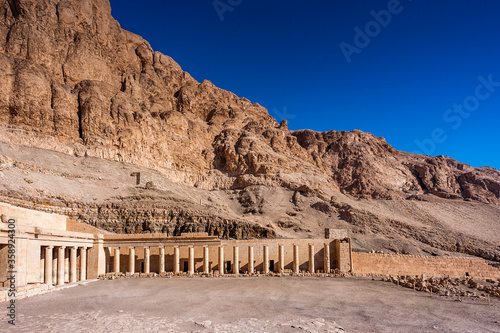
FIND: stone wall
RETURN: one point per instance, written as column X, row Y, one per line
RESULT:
column 331, row 233
column 343, row 255
column 389, row 264
column 34, row 232
column 33, row 218
column 75, row 226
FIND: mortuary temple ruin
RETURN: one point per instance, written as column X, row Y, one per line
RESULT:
column 41, row 249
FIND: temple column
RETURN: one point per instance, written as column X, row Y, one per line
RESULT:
column 83, row 264
column 266, row 259
column 72, row 264
column 131, row 260
column 162, row 259
column 60, row 265
column 66, row 265
column 311, row 258
column 42, row 264
column 48, row 265
column 221, row 260
column 146, row 260
column 281, row 254
column 251, row 269
column 116, row 267
column 191, row 261
column 296, row 263
column 236, row 259
column 206, row 263
column 326, row 265
column 54, row 267
column 177, row 263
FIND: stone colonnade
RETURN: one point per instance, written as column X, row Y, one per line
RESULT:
column 222, row 265
column 62, row 264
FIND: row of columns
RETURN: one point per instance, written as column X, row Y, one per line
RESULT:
column 206, row 263
column 55, row 268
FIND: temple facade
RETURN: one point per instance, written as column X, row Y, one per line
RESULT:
column 37, row 247
column 45, row 249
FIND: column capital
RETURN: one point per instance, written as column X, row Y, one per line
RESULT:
column 50, row 247
column 74, row 247
column 63, row 247
column 131, row 247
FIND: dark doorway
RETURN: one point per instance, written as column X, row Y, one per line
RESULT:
column 271, row 265
column 142, row 267
column 186, row 266
column 4, row 264
column 228, row 266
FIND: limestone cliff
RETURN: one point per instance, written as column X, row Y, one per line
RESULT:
column 73, row 81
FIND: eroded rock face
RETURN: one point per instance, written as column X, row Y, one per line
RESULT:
column 77, row 83
column 69, row 71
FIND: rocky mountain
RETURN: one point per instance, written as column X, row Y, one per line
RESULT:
column 73, row 82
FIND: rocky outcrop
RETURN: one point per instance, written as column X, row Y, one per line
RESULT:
column 367, row 167
column 75, row 82
column 133, row 215
column 70, row 72
column 143, row 216
column 365, row 222
column 102, row 193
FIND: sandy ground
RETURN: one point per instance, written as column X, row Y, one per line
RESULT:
column 265, row 304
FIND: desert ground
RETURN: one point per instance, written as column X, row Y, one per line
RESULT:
column 246, row 304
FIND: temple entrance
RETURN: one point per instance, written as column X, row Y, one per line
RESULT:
column 271, row 265
column 186, row 266
column 228, row 266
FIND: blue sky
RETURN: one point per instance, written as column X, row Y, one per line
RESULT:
column 422, row 74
